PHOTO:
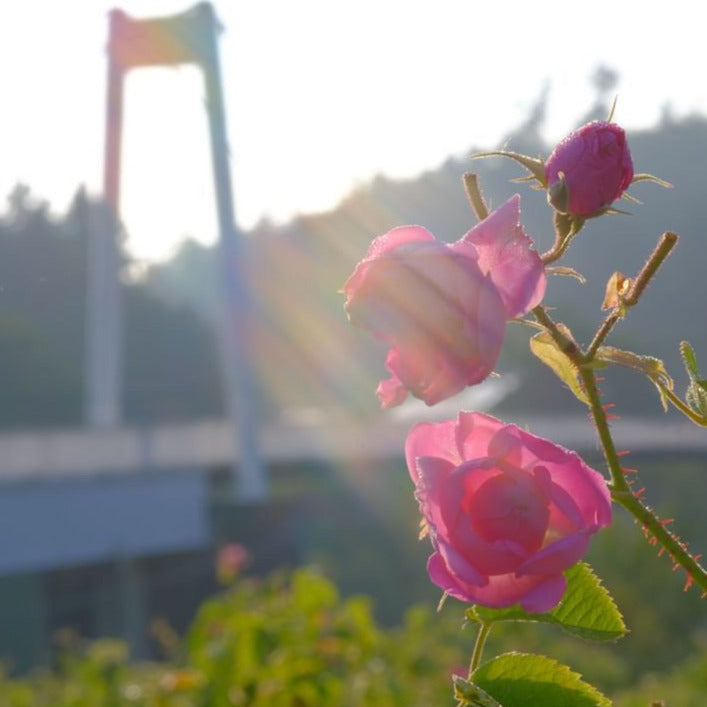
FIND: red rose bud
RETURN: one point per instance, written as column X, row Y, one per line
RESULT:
column 589, row 169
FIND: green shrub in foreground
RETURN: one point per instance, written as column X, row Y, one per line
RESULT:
column 288, row 641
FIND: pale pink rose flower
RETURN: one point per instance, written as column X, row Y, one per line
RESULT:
column 443, row 308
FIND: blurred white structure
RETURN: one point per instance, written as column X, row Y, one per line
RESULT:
column 189, row 37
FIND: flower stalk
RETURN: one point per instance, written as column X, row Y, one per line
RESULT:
column 481, row 636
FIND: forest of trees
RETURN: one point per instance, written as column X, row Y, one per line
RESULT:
column 171, row 369
column 307, row 354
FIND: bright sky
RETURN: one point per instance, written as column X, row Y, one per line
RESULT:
column 320, row 95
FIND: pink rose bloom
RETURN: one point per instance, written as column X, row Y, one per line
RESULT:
column 597, row 168
column 507, row 511
column 443, row 308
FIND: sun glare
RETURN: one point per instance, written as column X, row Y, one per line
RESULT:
column 167, row 183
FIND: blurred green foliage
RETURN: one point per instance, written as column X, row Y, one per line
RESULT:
column 293, row 640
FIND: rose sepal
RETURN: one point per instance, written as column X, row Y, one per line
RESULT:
column 535, row 166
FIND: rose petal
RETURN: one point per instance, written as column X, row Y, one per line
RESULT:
column 473, row 432
column 510, row 508
column 439, row 575
column 586, row 487
column 558, row 556
column 396, row 237
column 431, row 439
column 459, row 567
column 504, row 590
column 506, row 446
column 506, row 254
column 545, row 596
column 391, row 392
column 568, row 470
column 563, row 502
column 432, row 482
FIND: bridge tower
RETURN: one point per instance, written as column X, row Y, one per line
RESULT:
column 188, row 37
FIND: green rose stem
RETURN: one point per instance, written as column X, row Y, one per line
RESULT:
column 481, row 636
column 620, row 489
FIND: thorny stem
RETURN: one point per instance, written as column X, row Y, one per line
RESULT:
column 481, row 636
column 618, row 480
column 620, row 489
column 676, row 549
column 564, row 343
column 602, row 332
column 666, row 243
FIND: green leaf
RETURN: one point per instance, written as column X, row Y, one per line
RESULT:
column 472, row 695
column 547, row 350
column 521, row 679
column 586, row 610
column 696, row 394
column 649, row 366
column 689, row 359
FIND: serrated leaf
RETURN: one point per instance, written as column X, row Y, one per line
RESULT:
column 547, row 350
column 696, row 397
column 565, row 271
column 696, row 393
column 586, row 610
column 472, row 695
column 650, row 366
column 689, row 359
column 521, row 679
